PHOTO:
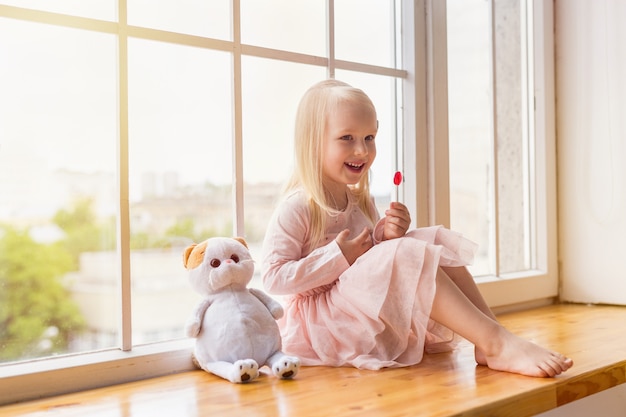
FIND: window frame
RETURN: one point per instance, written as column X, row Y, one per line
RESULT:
column 428, row 186
column 424, row 89
column 538, row 286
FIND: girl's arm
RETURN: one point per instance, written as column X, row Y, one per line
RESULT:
column 284, row 269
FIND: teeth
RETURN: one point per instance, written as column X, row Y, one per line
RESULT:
column 354, row 165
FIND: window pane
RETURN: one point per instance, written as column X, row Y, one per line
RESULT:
column 268, row 128
column 364, row 31
column 512, row 142
column 96, row 9
column 470, row 126
column 180, row 140
column 58, row 134
column 296, row 26
column 483, row 89
column 194, row 17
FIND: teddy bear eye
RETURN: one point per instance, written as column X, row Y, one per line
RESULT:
column 235, row 258
column 215, row 262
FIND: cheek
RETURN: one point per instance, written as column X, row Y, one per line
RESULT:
column 371, row 150
column 332, row 154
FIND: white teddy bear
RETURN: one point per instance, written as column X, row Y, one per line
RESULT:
column 234, row 326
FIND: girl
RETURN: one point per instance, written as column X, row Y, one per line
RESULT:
column 364, row 291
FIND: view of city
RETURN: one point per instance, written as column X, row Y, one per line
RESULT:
column 59, row 185
column 60, row 162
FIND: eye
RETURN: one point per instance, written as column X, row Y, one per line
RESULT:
column 346, row 137
column 235, row 258
column 215, row 262
column 369, row 137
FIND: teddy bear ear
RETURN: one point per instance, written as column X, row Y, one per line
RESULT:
column 187, row 252
column 241, row 240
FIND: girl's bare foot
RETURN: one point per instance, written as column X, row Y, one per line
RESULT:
column 513, row 354
column 480, row 357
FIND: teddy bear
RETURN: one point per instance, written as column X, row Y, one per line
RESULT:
column 234, row 326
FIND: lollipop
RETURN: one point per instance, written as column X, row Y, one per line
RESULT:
column 397, row 180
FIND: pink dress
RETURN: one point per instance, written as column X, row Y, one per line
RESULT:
column 370, row 315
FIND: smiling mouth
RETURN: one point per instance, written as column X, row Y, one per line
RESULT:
column 354, row 167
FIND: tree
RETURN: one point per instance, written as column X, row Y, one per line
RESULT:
column 83, row 232
column 37, row 315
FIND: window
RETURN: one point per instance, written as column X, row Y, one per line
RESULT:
column 58, row 199
column 132, row 128
column 490, row 161
column 137, row 126
column 501, row 151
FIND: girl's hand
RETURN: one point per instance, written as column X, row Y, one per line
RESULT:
column 353, row 248
column 397, row 221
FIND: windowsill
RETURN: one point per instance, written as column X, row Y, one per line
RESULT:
column 446, row 384
column 48, row 377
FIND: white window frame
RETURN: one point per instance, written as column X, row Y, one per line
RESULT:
column 428, row 194
column 541, row 285
column 426, row 187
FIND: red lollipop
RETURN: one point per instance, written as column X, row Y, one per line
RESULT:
column 397, row 180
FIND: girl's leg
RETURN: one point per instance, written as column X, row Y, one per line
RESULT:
column 503, row 351
column 465, row 281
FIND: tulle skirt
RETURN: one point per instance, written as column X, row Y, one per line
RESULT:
column 377, row 313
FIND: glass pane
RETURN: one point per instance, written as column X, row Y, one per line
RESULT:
column 364, row 31
column 473, row 104
column 211, row 19
column 58, row 136
column 380, row 90
column 512, row 144
column 470, row 126
column 268, row 127
column 296, row 26
column 180, row 140
column 95, row 9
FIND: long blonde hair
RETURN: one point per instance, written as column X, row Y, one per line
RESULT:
column 318, row 101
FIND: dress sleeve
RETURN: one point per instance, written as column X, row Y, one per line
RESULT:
column 378, row 234
column 287, row 268
column 379, row 223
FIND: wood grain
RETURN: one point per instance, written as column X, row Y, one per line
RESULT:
column 447, row 384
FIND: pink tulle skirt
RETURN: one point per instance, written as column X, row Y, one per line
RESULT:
column 377, row 313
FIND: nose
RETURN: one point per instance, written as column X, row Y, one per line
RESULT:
column 360, row 147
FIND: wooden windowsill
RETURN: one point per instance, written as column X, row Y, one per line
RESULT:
column 448, row 384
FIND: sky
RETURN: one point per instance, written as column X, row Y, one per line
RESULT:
column 60, row 109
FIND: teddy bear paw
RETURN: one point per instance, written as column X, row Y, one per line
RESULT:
column 287, row 367
column 245, row 370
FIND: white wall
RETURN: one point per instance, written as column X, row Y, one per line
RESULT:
column 591, row 146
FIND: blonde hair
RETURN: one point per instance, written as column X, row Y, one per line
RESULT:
column 318, row 101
